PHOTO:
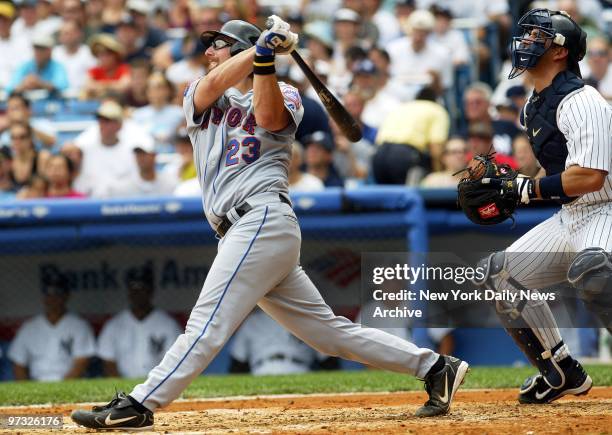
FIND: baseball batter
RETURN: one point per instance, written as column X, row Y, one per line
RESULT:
column 570, row 129
column 242, row 122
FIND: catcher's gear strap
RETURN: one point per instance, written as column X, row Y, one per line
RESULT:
column 591, row 274
column 511, row 316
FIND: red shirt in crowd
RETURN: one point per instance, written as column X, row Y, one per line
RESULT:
column 500, row 159
column 101, row 75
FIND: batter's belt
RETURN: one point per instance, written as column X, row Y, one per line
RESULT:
column 234, row 214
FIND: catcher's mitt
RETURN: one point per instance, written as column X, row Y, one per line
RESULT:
column 483, row 194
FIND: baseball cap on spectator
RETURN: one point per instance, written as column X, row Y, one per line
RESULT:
column 346, row 14
column 146, row 147
column 140, row 278
column 421, row 20
column 110, row 110
column 441, row 11
column 321, row 138
column 7, row 9
column 56, row 285
column 365, row 67
column 106, row 41
column 516, row 91
column 321, row 31
column 481, row 129
column 43, row 40
column 139, row 6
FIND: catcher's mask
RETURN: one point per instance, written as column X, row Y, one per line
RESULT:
column 553, row 27
column 240, row 34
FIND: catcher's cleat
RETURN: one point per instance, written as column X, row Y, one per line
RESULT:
column 123, row 412
column 442, row 386
column 535, row 390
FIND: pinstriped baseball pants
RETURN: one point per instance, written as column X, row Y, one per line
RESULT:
column 542, row 256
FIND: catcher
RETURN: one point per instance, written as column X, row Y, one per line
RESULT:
column 569, row 125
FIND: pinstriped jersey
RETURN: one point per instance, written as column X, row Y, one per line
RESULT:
column 234, row 157
column 585, row 119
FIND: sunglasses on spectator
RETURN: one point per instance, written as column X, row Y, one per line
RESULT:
column 19, row 136
column 462, row 151
column 219, row 43
column 600, row 53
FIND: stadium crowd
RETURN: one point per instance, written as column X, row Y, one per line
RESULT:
column 92, row 90
column 90, row 106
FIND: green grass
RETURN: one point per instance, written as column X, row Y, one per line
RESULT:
column 101, row 390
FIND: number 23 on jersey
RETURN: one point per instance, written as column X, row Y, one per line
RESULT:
column 248, row 150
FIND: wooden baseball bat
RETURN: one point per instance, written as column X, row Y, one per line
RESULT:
column 346, row 123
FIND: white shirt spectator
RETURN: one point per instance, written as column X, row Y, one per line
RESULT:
column 161, row 124
column 15, row 51
column 377, row 108
column 135, row 186
column 76, row 65
column 307, row 183
column 409, row 70
column 479, row 10
column 455, row 43
column 49, row 350
column 388, row 27
column 183, row 71
column 136, row 346
column 104, row 164
column 270, row 349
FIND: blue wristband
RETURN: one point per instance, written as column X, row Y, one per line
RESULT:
column 551, row 187
column 263, row 51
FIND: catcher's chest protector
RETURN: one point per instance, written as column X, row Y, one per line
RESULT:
column 548, row 143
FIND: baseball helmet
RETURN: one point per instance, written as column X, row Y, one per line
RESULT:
column 555, row 26
column 244, row 34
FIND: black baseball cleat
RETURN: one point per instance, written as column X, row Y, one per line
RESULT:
column 535, row 390
column 123, row 412
column 442, row 386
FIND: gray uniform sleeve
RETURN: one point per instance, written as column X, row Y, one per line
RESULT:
column 293, row 103
column 194, row 121
column 585, row 119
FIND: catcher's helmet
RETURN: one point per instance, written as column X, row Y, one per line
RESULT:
column 556, row 26
column 244, row 34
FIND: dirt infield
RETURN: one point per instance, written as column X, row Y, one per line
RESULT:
column 474, row 412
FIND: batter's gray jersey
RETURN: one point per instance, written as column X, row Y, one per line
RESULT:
column 234, row 157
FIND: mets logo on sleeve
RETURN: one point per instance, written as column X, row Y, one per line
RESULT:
column 292, row 96
column 488, row 211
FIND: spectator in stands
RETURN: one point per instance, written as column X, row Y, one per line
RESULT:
column 320, row 158
column 480, row 142
column 134, row 341
column 7, row 187
column 160, row 117
column 347, row 24
column 60, row 173
column 599, row 59
column 136, row 95
column 74, row 10
column 36, row 187
column 418, row 61
column 93, row 16
column 182, row 168
column 107, row 149
column 452, row 39
column 150, row 36
column 147, row 181
column 385, row 21
column 111, row 14
column 523, row 154
column 127, row 35
column 74, row 55
column 411, row 141
column 299, row 180
column 112, row 74
column 380, row 100
column 75, row 155
column 18, row 110
column 263, row 347
column 15, row 47
column 454, row 159
column 26, row 160
column 47, row 21
column 188, row 69
column 26, row 23
column 352, row 159
column 477, row 101
column 42, row 72
column 54, row 345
